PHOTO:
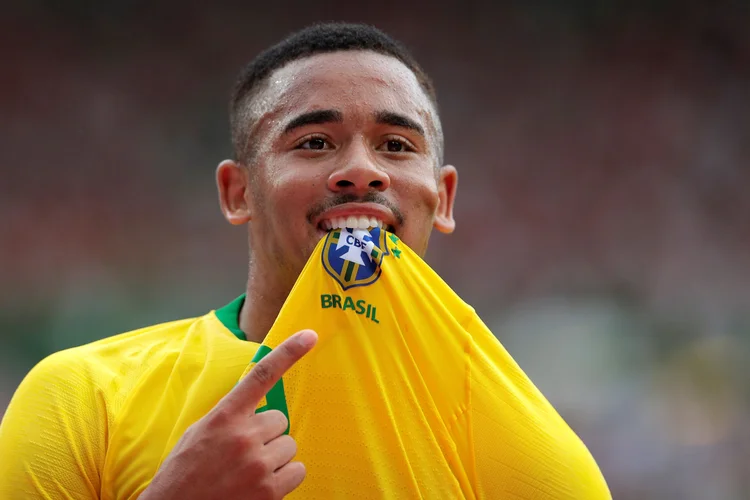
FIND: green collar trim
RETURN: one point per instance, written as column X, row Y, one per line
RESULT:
column 229, row 315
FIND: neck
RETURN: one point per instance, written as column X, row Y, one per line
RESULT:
column 265, row 297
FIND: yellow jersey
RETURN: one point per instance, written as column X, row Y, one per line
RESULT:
column 406, row 395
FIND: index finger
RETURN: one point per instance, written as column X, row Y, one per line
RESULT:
column 250, row 390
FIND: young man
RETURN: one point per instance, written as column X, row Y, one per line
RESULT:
column 336, row 123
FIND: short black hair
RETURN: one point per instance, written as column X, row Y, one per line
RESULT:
column 315, row 39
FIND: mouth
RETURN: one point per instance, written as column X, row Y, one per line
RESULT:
column 356, row 216
column 353, row 222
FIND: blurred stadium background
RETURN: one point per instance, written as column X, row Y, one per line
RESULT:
column 603, row 216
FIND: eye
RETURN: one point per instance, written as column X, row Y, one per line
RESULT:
column 397, row 145
column 314, row 143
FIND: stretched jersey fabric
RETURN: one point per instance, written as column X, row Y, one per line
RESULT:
column 407, row 391
column 406, row 395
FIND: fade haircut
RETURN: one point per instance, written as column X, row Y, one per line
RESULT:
column 316, row 39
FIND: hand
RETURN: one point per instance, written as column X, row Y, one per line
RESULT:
column 232, row 452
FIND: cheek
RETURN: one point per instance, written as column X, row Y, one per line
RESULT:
column 293, row 191
column 421, row 195
column 419, row 203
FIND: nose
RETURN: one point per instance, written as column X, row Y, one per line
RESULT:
column 359, row 174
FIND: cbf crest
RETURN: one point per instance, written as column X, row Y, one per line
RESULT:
column 354, row 257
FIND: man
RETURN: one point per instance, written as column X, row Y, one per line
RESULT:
column 336, row 126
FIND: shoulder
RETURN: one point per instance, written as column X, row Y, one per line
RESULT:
column 89, row 382
column 54, row 455
column 105, row 369
column 158, row 336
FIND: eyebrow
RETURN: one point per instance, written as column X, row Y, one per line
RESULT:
column 323, row 116
column 318, row 117
column 397, row 120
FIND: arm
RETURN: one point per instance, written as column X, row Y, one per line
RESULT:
column 52, row 437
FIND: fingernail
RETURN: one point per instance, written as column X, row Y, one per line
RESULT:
column 308, row 338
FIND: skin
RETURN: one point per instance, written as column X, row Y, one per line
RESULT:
column 280, row 195
column 368, row 146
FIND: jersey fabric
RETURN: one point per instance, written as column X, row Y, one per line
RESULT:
column 96, row 421
column 406, row 395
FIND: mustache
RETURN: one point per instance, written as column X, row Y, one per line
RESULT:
column 370, row 197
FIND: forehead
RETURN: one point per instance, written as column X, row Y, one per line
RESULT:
column 357, row 83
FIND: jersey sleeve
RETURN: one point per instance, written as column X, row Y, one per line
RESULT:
column 53, row 434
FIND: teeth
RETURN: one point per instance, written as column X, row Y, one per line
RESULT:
column 353, row 222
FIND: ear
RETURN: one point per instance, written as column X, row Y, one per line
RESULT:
column 233, row 183
column 447, row 184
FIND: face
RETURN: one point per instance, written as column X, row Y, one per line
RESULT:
column 340, row 139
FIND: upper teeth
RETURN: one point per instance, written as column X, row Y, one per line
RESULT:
column 352, row 222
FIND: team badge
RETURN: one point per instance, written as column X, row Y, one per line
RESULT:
column 354, row 257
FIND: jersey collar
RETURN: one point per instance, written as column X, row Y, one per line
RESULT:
column 229, row 315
